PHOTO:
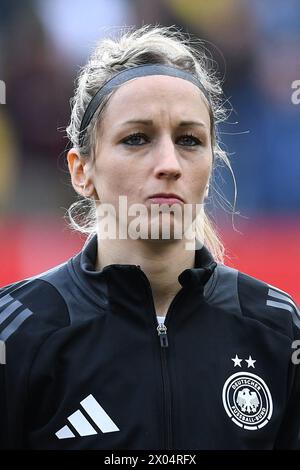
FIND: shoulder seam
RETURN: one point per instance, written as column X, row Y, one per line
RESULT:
column 89, row 296
column 60, row 295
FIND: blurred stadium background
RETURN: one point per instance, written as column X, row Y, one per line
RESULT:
column 256, row 45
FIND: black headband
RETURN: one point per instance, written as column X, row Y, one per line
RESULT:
column 129, row 74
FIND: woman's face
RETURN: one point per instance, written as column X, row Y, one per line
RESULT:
column 154, row 137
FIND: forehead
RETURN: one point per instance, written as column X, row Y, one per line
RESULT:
column 153, row 96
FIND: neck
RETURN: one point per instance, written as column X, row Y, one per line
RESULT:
column 161, row 260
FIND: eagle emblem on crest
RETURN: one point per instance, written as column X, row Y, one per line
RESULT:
column 247, row 400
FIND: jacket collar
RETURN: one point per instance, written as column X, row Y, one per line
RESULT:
column 128, row 280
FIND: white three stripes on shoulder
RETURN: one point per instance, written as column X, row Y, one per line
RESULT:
column 83, row 426
column 280, row 299
column 14, row 313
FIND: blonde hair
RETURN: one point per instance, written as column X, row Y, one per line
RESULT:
column 146, row 45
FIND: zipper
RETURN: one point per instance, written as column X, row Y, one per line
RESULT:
column 162, row 332
column 164, row 344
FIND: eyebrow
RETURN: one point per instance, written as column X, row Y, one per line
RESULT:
column 149, row 122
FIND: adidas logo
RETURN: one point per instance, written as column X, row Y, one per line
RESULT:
column 280, row 299
column 81, row 425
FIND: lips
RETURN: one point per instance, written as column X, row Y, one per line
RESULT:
column 166, row 198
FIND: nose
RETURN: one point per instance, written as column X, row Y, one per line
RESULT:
column 167, row 164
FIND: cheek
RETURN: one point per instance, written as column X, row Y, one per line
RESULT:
column 112, row 181
column 199, row 179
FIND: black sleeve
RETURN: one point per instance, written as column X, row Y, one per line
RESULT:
column 289, row 433
column 7, row 307
column 30, row 312
column 3, row 410
column 277, row 310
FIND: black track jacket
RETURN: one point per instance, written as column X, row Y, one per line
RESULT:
column 85, row 365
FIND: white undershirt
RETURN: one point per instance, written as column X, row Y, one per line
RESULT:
column 160, row 319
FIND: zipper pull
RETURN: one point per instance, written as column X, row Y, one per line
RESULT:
column 162, row 333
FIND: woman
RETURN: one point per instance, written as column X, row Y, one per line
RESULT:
column 87, row 363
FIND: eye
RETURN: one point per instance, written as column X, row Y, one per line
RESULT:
column 188, row 140
column 136, row 139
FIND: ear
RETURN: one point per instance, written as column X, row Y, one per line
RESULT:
column 206, row 191
column 80, row 171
